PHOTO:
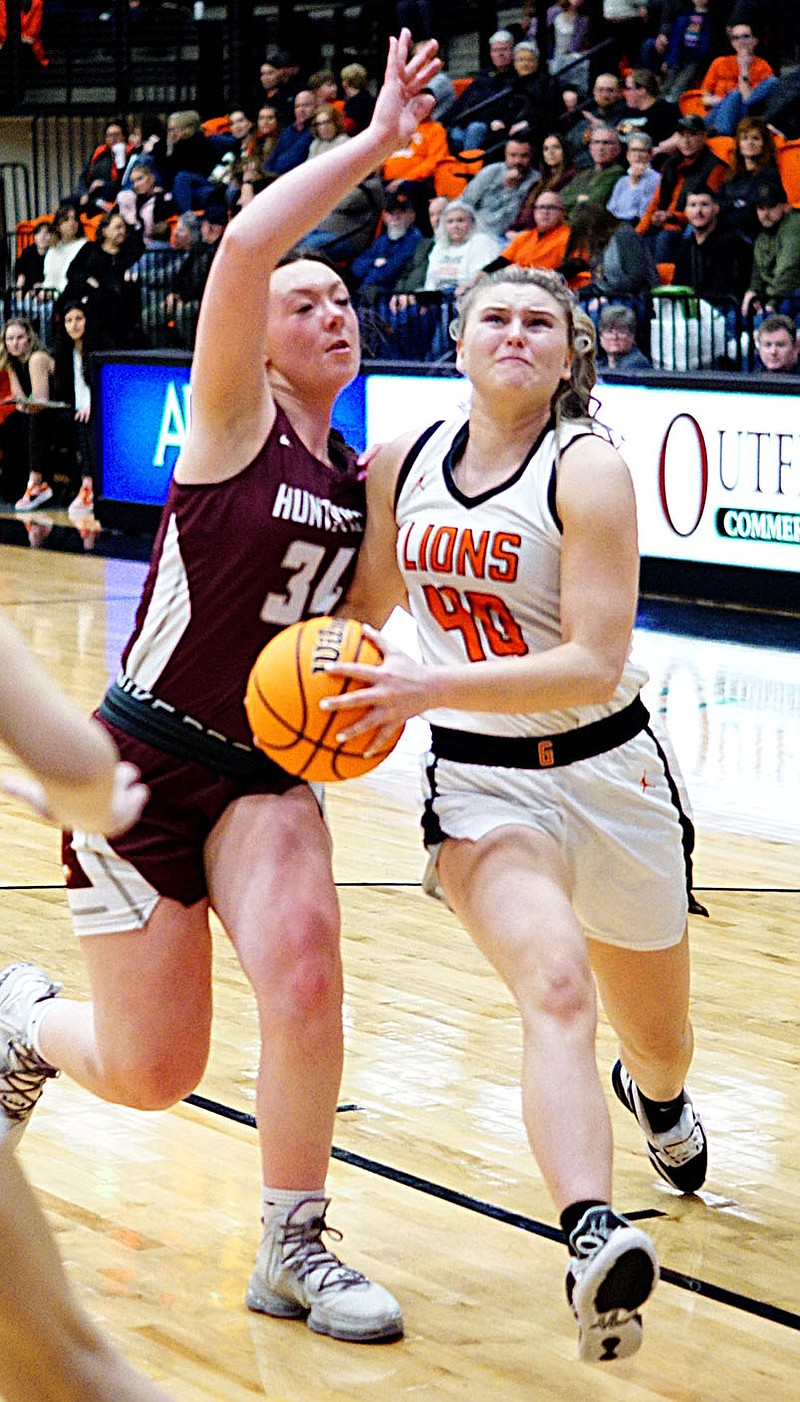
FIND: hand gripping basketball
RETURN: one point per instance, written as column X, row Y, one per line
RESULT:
column 286, row 685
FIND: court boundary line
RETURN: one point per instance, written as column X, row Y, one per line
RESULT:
column 774, row 1314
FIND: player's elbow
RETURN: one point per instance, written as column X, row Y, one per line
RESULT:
column 602, row 676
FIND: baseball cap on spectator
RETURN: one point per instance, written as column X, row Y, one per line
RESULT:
column 693, row 123
column 501, row 36
column 770, row 191
column 399, row 198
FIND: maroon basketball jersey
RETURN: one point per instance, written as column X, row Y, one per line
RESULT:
column 235, row 562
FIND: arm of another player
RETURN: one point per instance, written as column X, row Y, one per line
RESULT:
column 50, row 1351
column 377, row 586
column 228, row 376
column 599, row 590
column 77, row 780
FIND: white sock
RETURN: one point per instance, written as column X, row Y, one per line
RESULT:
column 275, row 1202
column 33, row 1030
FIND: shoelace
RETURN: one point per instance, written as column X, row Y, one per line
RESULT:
column 305, row 1253
column 22, row 1082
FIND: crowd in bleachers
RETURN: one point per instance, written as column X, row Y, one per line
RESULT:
column 659, row 172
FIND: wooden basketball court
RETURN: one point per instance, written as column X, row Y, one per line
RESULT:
column 434, row 1187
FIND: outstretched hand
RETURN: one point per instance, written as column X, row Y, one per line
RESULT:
column 124, row 806
column 395, row 690
column 401, row 104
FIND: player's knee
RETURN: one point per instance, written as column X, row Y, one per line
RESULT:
column 564, row 992
column 308, row 980
column 155, row 1079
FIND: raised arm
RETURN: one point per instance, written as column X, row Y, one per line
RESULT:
column 228, row 376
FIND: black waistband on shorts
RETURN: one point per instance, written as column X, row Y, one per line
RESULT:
column 144, row 716
column 541, row 751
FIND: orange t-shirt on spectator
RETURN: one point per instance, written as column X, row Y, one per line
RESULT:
column 427, row 148
column 530, row 249
column 723, row 75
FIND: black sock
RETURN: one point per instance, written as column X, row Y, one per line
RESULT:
column 572, row 1215
column 663, row 1114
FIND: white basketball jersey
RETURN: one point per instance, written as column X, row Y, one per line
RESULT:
column 482, row 573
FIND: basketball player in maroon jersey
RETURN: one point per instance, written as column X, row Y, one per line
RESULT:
column 260, row 529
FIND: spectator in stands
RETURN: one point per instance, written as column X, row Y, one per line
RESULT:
column 327, row 127
column 693, row 165
column 418, row 162
column 101, row 177
column 412, row 278
column 543, row 246
column 241, row 130
column 378, row 268
column 155, row 271
column 66, row 241
column 460, row 249
column 29, row 267
column 291, row 148
column 324, row 88
column 555, row 173
column 616, row 334
column 358, row 100
column 633, row 192
column 73, row 344
column 527, row 107
column 605, row 109
column 713, row 260
column 146, row 207
column 99, row 273
column 647, row 111
column 349, row 228
column 736, row 80
column 481, row 108
column 625, row 23
column 441, row 85
column 688, row 51
column 754, row 156
column 191, row 156
column 594, row 186
column 778, row 346
column 280, row 83
column 568, row 35
column 22, row 433
column 183, row 304
column 606, row 257
column 497, row 192
column 776, row 252
column 654, row 48
column 147, row 142
column 266, row 135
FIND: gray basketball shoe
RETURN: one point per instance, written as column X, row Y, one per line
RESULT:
column 22, row 1071
column 297, row 1277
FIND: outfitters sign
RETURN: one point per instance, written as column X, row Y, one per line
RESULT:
column 717, row 473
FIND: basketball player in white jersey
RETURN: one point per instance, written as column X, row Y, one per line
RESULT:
column 552, row 821
column 50, row 1351
column 236, row 559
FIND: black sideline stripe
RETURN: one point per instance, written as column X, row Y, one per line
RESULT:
column 731, row 1298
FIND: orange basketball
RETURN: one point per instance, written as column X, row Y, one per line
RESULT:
column 286, row 685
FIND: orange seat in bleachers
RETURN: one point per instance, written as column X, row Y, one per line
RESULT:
column 724, row 147
column 789, row 169
column 666, row 273
column 691, row 103
column 460, row 85
column 451, row 176
column 216, row 126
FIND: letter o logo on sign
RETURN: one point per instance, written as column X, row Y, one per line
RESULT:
column 662, row 475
